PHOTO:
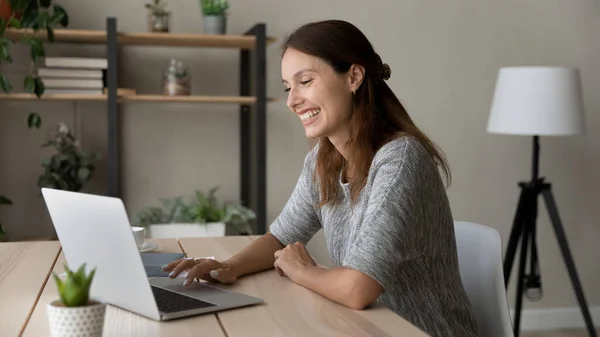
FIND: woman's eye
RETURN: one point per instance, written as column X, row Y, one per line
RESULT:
column 286, row 89
column 305, row 82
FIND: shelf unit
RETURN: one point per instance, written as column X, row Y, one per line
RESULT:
column 252, row 99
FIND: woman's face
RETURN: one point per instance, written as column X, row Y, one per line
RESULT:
column 320, row 97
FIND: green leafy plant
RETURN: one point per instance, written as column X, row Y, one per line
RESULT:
column 70, row 167
column 157, row 7
column 39, row 18
column 74, row 290
column 4, row 201
column 201, row 208
column 214, row 7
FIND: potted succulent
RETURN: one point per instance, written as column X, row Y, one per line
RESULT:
column 3, row 201
column 75, row 313
column 214, row 16
column 70, row 167
column 41, row 18
column 158, row 16
column 200, row 216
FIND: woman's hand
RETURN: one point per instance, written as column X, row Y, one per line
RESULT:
column 205, row 269
column 291, row 260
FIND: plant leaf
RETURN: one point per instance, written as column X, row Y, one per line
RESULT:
column 34, row 120
column 5, row 84
column 5, row 50
column 20, row 5
column 39, row 87
column 29, row 84
column 59, row 10
column 5, row 201
column 37, row 49
column 83, row 173
column 14, row 23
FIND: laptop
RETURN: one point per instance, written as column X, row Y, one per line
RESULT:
column 95, row 230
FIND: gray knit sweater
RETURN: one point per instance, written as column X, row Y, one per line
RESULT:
column 400, row 233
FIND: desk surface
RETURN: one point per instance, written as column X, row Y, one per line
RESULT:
column 26, row 287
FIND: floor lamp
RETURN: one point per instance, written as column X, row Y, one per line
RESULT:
column 537, row 101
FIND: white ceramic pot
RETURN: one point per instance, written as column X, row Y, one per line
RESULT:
column 186, row 230
column 76, row 321
column 216, row 25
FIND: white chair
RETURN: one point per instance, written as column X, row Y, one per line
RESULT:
column 480, row 263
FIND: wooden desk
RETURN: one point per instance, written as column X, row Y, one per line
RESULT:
column 26, row 287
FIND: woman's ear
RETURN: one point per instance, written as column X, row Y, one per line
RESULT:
column 356, row 75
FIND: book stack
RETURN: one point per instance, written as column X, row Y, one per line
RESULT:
column 74, row 75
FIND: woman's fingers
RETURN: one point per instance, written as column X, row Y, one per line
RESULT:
column 184, row 264
column 171, row 265
column 202, row 271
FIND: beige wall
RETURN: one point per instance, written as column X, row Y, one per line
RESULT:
column 444, row 60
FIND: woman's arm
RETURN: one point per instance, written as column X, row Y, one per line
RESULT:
column 345, row 286
column 256, row 257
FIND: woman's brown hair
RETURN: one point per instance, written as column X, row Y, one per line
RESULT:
column 378, row 115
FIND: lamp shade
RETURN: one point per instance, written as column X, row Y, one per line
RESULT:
column 540, row 101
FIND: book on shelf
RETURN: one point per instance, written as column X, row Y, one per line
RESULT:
column 68, row 91
column 71, row 73
column 70, row 83
column 120, row 92
column 76, row 62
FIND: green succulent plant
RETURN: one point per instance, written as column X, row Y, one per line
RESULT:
column 74, row 290
column 214, row 7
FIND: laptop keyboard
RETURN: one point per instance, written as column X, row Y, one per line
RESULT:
column 168, row 301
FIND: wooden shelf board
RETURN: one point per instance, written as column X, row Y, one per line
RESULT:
column 51, row 97
column 189, row 99
column 144, row 39
column 134, row 98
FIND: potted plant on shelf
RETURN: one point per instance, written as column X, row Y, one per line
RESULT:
column 70, row 167
column 75, row 313
column 40, row 18
column 214, row 16
column 3, row 201
column 200, row 216
column 158, row 16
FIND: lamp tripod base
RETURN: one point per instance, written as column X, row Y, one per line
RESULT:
column 524, row 228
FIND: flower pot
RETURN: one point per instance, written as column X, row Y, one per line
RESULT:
column 214, row 24
column 5, row 10
column 159, row 22
column 186, row 230
column 76, row 321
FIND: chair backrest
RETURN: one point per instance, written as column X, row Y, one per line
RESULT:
column 480, row 262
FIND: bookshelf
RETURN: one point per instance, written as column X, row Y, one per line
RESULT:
column 252, row 99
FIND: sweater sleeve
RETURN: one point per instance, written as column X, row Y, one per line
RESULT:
column 388, row 235
column 298, row 220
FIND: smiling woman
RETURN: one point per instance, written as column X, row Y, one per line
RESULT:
column 372, row 182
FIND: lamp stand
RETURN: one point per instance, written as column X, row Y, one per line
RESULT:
column 524, row 227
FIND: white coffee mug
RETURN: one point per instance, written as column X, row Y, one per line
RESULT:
column 139, row 234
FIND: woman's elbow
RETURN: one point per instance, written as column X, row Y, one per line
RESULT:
column 363, row 293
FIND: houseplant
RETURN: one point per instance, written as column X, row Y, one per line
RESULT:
column 198, row 216
column 75, row 313
column 158, row 16
column 214, row 16
column 40, row 17
column 69, row 168
column 3, row 201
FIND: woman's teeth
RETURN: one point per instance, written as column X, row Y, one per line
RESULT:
column 310, row 114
